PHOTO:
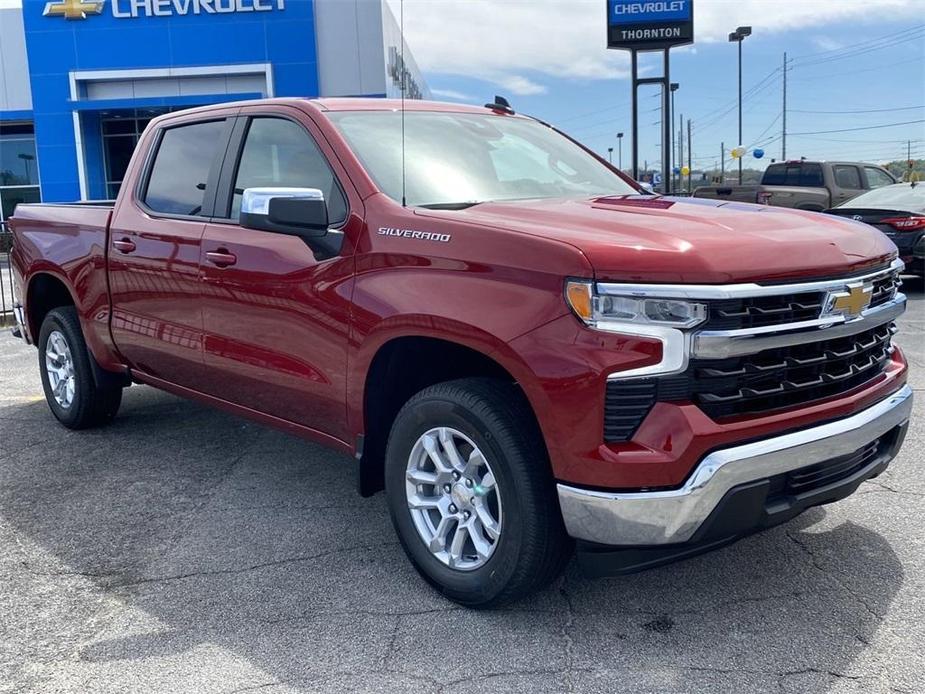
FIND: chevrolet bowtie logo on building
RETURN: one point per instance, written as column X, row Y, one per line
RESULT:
column 849, row 303
column 72, row 9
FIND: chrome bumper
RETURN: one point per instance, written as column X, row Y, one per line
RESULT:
column 673, row 516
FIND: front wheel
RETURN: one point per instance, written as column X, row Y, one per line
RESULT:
column 67, row 375
column 471, row 494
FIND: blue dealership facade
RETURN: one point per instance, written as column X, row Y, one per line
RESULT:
column 80, row 80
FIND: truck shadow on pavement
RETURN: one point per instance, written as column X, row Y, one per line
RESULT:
column 185, row 550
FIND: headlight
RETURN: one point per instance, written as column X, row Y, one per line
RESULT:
column 594, row 308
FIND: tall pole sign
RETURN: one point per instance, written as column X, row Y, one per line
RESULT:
column 643, row 25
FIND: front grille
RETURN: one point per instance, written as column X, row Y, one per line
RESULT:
column 771, row 380
column 789, row 376
column 759, row 311
column 780, row 309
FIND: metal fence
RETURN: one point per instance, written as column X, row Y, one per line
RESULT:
column 6, row 276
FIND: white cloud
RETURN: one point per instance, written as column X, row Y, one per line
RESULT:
column 503, row 40
column 824, row 43
column 452, row 94
column 517, row 84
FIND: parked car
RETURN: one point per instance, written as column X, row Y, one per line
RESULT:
column 805, row 185
column 898, row 211
column 512, row 340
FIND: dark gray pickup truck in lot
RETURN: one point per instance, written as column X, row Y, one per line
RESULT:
column 805, row 185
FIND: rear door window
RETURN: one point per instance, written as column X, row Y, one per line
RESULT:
column 811, row 176
column 180, row 171
column 847, row 177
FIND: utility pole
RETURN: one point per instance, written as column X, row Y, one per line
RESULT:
column 673, row 87
column 681, row 150
column 783, row 139
column 722, row 162
column 690, row 167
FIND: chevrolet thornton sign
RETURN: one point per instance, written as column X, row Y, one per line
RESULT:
column 78, row 9
column 652, row 25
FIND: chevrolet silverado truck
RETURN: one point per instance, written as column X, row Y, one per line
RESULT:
column 525, row 351
column 804, row 185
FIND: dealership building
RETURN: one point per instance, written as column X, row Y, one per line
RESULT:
column 79, row 80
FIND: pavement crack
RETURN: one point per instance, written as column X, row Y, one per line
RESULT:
column 569, row 642
column 252, row 567
column 833, row 576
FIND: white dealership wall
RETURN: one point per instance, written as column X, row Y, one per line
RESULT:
column 359, row 46
column 15, row 94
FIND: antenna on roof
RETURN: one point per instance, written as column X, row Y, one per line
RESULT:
column 501, row 104
column 401, row 32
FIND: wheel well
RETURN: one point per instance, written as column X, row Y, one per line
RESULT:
column 46, row 292
column 401, row 368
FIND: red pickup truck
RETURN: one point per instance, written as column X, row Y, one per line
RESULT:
column 524, row 349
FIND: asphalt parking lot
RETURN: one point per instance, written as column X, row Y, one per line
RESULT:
column 184, row 550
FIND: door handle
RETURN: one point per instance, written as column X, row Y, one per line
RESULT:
column 221, row 258
column 124, row 245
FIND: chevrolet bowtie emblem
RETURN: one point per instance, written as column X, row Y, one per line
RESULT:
column 72, row 9
column 851, row 302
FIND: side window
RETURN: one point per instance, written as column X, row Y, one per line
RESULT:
column 775, row 175
column 177, row 182
column 811, row 176
column 848, row 177
column 876, row 178
column 280, row 153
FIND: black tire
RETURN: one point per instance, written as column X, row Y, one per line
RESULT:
column 533, row 547
column 91, row 406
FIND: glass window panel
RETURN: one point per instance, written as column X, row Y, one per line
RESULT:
column 118, row 154
column 17, row 161
column 848, row 177
column 181, row 168
column 281, row 153
column 10, row 197
column 119, row 126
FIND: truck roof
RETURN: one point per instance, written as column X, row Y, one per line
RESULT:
column 351, row 104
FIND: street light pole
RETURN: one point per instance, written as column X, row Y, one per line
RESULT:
column 610, row 154
column 620, row 151
column 673, row 87
column 738, row 36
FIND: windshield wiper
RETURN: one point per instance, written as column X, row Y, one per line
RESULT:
column 452, row 205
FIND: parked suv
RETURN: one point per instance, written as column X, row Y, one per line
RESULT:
column 514, row 342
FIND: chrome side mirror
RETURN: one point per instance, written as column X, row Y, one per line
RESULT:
column 294, row 211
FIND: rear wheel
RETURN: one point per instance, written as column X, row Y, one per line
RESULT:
column 67, row 375
column 471, row 494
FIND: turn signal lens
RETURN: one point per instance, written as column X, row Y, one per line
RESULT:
column 579, row 295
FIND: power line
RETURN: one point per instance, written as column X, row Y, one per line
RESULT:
column 852, row 73
column 886, row 40
column 869, row 110
column 866, row 127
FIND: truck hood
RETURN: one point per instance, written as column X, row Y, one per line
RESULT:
column 690, row 240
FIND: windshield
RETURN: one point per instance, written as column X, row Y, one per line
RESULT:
column 456, row 158
column 901, row 196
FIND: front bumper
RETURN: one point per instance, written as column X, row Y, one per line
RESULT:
column 674, row 517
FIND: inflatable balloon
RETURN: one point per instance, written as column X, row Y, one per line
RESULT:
column 685, row 171
column 758, row 153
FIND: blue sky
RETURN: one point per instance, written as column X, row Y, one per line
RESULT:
column 855, row 65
